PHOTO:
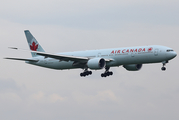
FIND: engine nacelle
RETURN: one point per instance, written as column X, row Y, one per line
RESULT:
column 96, row 63
column 133, row 67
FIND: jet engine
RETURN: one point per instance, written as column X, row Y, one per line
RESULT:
column 96, row 63
column 133, row 67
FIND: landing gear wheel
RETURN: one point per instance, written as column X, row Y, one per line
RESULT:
column 82, row 74
column 85, row 73
column 163, row 68
column 110, row 73
column 103, row 75
column 106, row 73
column 164, row 63
column 90, row 72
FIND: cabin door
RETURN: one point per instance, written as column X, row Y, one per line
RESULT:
column 156, row 52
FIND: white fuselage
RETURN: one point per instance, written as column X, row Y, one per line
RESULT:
column 118, row 56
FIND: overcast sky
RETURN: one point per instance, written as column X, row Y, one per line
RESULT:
column 33, row 93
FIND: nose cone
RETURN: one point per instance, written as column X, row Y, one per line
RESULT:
column 171, row 55
column 174, row 54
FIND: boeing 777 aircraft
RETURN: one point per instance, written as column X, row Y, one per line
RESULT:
column 131, row 58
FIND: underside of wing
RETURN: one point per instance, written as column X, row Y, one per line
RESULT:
column 23, row 59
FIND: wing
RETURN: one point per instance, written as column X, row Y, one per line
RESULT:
column 22, row 59
column 66, row 57
column 62, row 57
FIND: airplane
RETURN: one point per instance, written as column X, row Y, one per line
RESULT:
column 131, row 58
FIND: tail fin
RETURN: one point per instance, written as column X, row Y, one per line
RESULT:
column 33, row 43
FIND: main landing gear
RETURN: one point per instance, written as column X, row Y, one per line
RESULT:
column 107, row 72
column 164, row 63
column 85, row 73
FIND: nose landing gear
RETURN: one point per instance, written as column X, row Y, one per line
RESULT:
column 164, row 63
column 107, row 72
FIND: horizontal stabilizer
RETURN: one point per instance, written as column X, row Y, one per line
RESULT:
column 23, row 59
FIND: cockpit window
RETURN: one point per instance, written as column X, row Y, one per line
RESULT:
column 169, row 50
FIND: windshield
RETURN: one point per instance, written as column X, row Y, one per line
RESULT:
column 169, row 50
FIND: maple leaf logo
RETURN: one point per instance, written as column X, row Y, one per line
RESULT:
column 34, row 47
column 150, row 49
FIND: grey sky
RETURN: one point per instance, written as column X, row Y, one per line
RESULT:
column 30, row 92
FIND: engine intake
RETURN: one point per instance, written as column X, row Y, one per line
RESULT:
column 96, row 63
column 133, row 67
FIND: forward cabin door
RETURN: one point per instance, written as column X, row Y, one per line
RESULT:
column 156, row 52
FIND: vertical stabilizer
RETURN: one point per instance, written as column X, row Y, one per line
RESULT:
column 33, row 43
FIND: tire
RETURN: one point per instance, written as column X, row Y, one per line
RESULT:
column 163, row 68
column 107, row 74
column 102, row 75
column 81, row 74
